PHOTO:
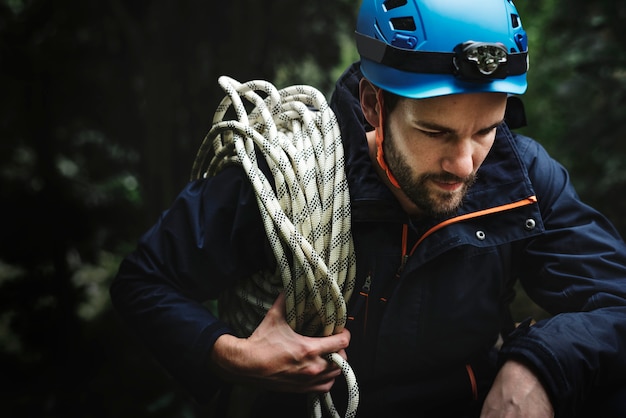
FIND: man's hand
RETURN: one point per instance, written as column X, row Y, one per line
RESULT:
column 517, row 393
column 277, row 358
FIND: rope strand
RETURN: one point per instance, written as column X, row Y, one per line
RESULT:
column 307, row 219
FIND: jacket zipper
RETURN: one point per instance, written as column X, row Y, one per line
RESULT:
column 365, row 292
column 403, row 259
column 365, row 289
column 405, row 255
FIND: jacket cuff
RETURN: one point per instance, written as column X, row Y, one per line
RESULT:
column 201, row 384
column 520, row 346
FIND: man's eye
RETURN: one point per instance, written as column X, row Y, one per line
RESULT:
column 433, row 134
column 487, row 131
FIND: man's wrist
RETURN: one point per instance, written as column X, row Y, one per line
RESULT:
column 224, row 355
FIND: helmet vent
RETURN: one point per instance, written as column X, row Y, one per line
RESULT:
column 403, row 23
column 392, row 4
column 515, row 21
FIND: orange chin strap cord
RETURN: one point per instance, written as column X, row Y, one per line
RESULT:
column 380, row 135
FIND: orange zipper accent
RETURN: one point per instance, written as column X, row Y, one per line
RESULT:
column 528, row 201
column 405, row 235
column 472, row 378
column 403, row 259
column 405, row 254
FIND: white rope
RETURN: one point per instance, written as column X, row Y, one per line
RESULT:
column 307, row 219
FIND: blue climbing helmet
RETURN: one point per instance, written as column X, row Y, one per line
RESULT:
column 427, row 48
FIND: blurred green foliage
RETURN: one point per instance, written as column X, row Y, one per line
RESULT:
column 576, row 101
column 103, row 106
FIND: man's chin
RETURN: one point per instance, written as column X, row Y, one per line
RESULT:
column 445, row 204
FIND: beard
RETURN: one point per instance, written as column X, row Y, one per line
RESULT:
column 432, row 202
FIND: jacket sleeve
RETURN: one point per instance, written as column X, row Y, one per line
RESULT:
column 209, row 238
column 576, row 271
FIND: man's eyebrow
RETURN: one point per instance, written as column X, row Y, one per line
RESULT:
column 432, row 126
column 493, row 126
column 441, row 128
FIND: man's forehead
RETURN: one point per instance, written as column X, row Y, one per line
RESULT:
column 444, row 111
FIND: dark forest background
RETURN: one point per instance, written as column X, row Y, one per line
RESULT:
column 102, row 107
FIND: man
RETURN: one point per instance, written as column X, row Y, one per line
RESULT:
column 449, row 209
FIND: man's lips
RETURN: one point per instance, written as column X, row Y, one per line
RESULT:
column 448, row 186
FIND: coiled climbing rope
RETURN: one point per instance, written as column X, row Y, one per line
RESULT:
column 306, row 218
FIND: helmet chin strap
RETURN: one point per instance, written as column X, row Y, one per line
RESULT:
column 380, row 135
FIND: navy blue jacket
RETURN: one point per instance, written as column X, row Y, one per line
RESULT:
column 432, row 295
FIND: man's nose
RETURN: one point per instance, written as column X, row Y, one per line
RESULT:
column 459, row 159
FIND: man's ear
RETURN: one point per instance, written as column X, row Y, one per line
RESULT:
column 369, row 102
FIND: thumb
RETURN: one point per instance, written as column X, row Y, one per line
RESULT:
column 279, row 306
column 278, row 311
